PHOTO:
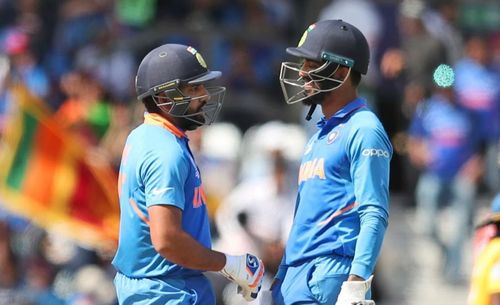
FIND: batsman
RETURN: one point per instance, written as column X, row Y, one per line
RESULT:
column 165, row 243
column 342, row 206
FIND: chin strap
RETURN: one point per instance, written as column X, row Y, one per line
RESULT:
column 310, row 112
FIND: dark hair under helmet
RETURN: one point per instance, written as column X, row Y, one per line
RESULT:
column 164, row 71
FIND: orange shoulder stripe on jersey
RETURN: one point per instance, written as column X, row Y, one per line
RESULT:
column 156, row 119
column 137, row 211
column 336, row 214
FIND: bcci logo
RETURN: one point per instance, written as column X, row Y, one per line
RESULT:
column 332, row 136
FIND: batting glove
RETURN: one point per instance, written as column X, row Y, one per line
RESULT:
column 354, row 292
column 247, row 271
column 249, row 294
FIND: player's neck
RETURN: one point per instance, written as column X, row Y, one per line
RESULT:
column 337, row 100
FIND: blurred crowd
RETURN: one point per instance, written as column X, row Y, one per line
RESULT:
column 80, row 57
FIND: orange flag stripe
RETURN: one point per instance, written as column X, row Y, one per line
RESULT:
column 64, row 181
column 45, row 157
column 60, row 187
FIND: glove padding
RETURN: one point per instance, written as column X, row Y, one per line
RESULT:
column 247, row 271
column 354, row 292
column 249, row 294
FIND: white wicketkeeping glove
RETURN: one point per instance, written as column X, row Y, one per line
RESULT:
column 247, row 271
column 354, row 292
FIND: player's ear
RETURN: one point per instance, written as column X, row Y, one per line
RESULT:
column 165, row 101
column 342, row 72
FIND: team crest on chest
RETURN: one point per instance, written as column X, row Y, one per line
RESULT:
column 332, row 136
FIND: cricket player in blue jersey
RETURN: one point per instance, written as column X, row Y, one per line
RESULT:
column 341, row 212
column 164, row 244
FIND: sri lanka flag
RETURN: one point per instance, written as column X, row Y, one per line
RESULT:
column 46, row 176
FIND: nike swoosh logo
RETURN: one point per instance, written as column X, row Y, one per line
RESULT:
column 159, row 191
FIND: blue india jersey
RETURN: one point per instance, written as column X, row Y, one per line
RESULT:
column 450, row 132
column 477, row 90
column 157, row 168
column 343, row 182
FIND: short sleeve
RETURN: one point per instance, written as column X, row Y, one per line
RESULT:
column 164, row 173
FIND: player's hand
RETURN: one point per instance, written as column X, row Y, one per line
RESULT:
column 247, row 271
column 354, row 292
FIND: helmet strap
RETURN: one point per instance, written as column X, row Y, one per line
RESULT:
column 311, row 111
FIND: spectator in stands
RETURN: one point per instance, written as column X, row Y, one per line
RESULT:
column 478, row 91
column 443, row 143
column 420, row 53
column 24, row 67
column 441, row 21
column 87, row 111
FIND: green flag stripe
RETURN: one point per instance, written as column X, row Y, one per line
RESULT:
column 23, row 151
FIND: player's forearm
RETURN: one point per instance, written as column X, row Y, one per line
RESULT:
column 368, row 245
column 183, row 250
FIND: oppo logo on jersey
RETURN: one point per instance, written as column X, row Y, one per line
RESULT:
column 311, row 169
column 372, row 152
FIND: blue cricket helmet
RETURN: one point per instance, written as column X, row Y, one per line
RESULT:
column 336, row 41
column 166, row 69
column 171, row 63
column 334, row 44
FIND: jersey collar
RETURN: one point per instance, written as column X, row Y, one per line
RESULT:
column 158, row 120
column 342, row 113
